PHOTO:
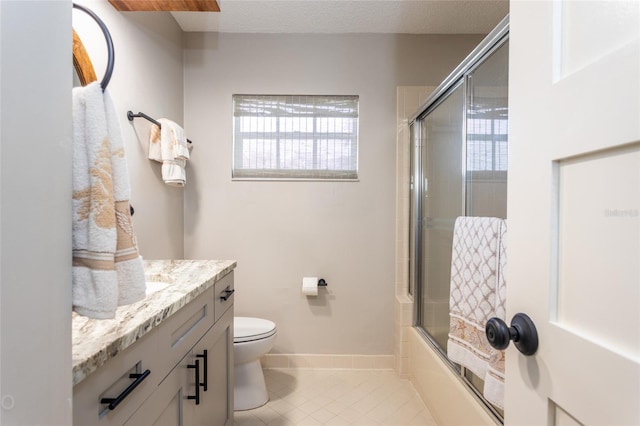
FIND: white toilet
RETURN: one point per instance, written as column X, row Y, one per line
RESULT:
column 252, row 338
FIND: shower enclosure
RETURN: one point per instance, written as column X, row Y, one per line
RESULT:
column 459, row 142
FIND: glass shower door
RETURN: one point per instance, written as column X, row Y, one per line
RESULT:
column 487, row 136
column 459, row 168
column 442, row 201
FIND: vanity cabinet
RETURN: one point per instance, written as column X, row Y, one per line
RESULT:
column 182, row 398
column 199, row 333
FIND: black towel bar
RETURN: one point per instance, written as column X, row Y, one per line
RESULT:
column 131, row 116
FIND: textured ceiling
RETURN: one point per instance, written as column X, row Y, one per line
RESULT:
column 348, row 16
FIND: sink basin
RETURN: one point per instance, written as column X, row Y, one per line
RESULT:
column 157, row 282
column 154, row 286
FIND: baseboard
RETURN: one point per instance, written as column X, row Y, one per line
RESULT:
column 330, row 361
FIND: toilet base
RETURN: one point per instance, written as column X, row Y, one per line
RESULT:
column 249, row 390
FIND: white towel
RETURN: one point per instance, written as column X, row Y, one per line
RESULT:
column 179, row 145
column 174, row 173
column 107, row 269
column 477, row 294
column 169, row 146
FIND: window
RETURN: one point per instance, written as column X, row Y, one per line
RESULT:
column 295, row 137
column 487, row 137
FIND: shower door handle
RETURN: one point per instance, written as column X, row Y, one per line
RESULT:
column 522, row 331
column 428, row 222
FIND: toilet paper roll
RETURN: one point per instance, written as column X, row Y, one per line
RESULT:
column 310, row 286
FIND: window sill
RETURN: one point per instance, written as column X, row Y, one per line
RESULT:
column 271, row 179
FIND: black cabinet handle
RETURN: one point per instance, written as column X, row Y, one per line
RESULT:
column 227, row 295
column 197, row 395
column 203, row 355
column 114, row 402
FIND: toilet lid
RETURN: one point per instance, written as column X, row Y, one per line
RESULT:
column 247, row 329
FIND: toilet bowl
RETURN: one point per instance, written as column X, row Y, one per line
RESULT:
column 252, row 338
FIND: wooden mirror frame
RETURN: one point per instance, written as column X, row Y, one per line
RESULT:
column 82, row 62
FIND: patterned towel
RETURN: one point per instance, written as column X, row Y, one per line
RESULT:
column 478, row 262
column 107, row 269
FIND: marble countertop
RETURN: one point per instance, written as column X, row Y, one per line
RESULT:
column 97, row 341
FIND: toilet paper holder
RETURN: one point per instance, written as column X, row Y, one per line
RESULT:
column 311, row 285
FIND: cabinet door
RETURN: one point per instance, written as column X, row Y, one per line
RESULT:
column 173, row 403
column 216, row 403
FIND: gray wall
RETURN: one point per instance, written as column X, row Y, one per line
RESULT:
column 281, row 231
column 35, row 181
column 147, row 77
column 35, row 207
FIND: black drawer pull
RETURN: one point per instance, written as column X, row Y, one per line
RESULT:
column 203, row 355
column 227, row 295
column 114, row 402
column 197, row 395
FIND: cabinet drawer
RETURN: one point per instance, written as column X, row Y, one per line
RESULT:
column 179, row 333
column 111, row 380
column 224, row 290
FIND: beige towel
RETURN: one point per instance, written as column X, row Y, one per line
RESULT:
column 477, row 294
column 169, row 146
column 107, row 269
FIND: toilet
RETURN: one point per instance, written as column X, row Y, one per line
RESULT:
column 252, row 338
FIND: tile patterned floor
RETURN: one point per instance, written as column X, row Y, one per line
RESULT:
column 337, row 398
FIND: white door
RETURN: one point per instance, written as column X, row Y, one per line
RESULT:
column 574, row 232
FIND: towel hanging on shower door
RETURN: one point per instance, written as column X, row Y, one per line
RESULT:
column 478, row 287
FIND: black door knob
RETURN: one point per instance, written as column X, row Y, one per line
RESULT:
column 522, row 331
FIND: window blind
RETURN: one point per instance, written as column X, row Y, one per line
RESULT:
column 295, row 137
column 487, row 135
